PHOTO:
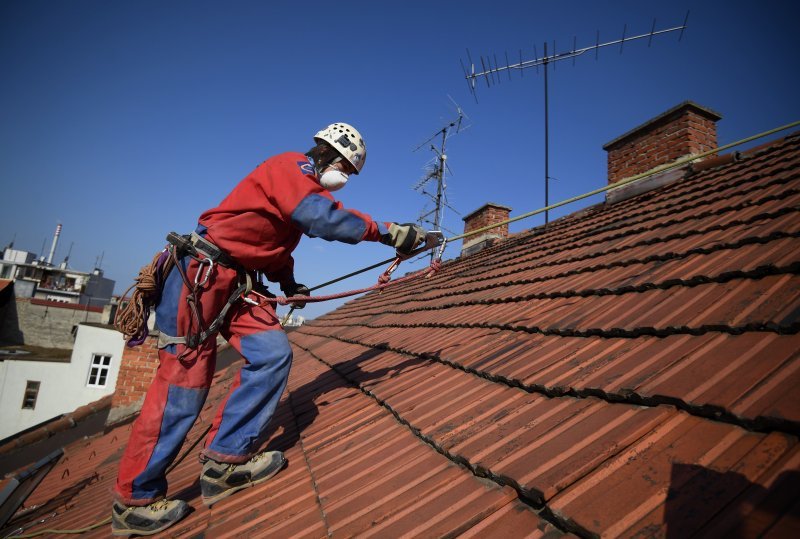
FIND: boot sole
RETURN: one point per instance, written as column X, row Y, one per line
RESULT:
column 208, row 502
column 127, row 533
column 124, row 532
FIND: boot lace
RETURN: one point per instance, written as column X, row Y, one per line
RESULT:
column 159, row 505
column 261, row 456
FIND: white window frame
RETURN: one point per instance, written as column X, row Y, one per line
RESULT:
column 102, row 370
column 32, row 386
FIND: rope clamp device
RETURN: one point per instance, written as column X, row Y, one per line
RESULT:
column 437, row 259
column 441, row 241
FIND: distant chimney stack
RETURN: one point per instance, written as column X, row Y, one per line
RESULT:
column 487, row 215
column 687, row 129
column 55, row 243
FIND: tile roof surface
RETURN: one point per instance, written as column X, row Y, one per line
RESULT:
column 631, row 370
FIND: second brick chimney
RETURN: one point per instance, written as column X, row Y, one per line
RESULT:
column 487, row 215
column 686, row 129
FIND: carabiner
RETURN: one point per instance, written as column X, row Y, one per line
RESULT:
column 393, row 267
column 386, row 276
column 203, row 261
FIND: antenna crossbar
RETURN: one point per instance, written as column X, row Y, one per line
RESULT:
column 472, row 74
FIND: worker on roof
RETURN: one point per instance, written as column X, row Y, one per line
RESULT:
column 254, row 229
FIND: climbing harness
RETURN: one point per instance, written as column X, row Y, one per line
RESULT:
column 131, row 319
column 207, row 256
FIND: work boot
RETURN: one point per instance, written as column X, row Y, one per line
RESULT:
column 219, row 480
column 147, row 519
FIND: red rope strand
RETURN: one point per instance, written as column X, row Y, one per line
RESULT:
column 383, row 282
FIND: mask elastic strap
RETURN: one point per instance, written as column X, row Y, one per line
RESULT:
column 321, row 169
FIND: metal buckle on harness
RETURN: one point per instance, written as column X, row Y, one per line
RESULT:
column 252, row 301
column 248, row 289
column 205, row 247
column 202, row 262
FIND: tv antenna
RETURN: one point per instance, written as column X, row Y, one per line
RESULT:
column 436, row 171
column 69, row 253
column 491, row 74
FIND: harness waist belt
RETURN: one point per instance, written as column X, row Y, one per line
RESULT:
column 195, row 244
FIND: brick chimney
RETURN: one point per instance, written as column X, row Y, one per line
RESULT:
column 488, row 214
column 686, row 129
column 136, row 371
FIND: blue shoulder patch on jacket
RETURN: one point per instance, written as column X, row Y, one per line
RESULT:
column 306, row 167
column 318, row 217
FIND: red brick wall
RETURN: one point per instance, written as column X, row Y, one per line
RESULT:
column 684, row 130
column 136, row 371
column 487, row 215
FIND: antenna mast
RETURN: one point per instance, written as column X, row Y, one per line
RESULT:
column 438, row 172
column 488, row 73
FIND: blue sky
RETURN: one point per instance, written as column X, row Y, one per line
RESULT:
column 124, row 120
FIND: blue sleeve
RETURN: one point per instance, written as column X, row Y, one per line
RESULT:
column 319, row 217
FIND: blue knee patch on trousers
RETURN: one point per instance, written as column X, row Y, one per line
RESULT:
column 182, row 408
column 250, row 407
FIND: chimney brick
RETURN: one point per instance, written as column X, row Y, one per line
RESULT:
column 487, row 215
column 683, row 130
column 136, row 372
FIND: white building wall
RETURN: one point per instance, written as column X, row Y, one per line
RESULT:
column 63, row 386
column 15, row 255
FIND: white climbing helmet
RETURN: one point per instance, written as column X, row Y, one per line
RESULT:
column 347, row 141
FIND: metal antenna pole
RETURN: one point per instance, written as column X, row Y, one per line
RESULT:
column 438, row 173
column 437, row 220
column 546, row 142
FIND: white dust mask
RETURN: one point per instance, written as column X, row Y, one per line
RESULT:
column 333, row 179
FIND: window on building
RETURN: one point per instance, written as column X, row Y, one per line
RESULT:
column 98, row 371
column 31, row 392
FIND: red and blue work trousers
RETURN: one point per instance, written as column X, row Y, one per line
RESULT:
column 184, row 376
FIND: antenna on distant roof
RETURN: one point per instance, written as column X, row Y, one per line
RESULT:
column 436, row 171
column 471, row 75
column 69, row 253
